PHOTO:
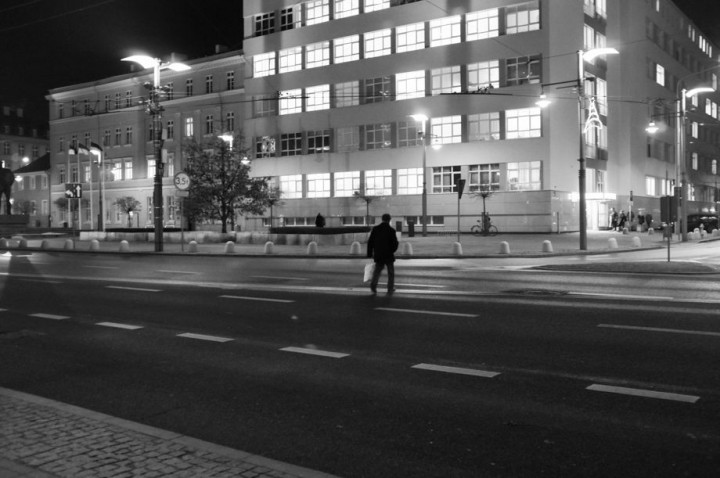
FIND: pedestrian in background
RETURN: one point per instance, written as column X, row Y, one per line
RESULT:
column 319, row 220
column 381, row 247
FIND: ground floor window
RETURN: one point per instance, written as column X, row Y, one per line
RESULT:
column 484, row 177
column 409, row 181
column 524, row 176
column 445, row 179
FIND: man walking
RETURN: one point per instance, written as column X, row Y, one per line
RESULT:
column 381, row 246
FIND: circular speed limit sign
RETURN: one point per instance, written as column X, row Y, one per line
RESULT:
column 182, row 181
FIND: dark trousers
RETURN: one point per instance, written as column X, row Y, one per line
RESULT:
column 376, row 275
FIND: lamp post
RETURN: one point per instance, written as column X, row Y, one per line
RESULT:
column 581, row 57
column 422, row 119
column 155, row 110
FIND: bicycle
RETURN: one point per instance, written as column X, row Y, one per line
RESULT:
column 484, row 228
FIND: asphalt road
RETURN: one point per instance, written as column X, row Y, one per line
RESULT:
column 473, row 368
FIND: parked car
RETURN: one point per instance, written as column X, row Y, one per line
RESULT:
column 699, row 221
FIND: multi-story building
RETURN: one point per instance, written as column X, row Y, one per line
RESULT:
column 349, row 95
column 201, row 103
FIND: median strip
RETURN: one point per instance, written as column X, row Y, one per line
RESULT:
column 137, row 289
column 309, row 351
column 210, row 338
column 638, row 392
column 456, row 370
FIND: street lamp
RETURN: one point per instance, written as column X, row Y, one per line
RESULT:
column 422, row 119
column 155, row 110
column 581, row 57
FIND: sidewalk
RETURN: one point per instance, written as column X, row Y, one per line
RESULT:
column 42, row 438
column 502, row 245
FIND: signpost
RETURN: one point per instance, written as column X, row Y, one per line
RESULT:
column 182, row 184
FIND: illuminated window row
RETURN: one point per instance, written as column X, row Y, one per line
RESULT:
column 443, row 31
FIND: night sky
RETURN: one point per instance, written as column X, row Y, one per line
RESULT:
column 48, row 44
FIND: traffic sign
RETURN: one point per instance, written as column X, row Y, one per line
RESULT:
column 73, row 190
column 182, row 181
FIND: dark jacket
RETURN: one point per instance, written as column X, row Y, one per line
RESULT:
column 382, row 243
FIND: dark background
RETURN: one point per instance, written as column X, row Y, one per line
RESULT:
column 47, row 44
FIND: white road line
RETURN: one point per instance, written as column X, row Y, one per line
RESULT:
column 322, row 353
column 210, row 338
column 457, row 370
column 43, row 281
column 119, row 326
column 427, row 312
column 658, row 329
column 280, row 277
column 638, row 392
column 178, row 272
column 428, row 286
column 3, row 310
column 284, row 301
column 140, row 289
column 50, row 316
column 622, row 296
column 101, row 267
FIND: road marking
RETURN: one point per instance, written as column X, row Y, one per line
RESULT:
column 658, row 329
column 101, row 267
column 322, row 353
column 638, row 392
column 240, row 297
column 280, row 277
column 42, row 281
column 210, row 338
column 50, row 316
column 457, row 370
column 132, row 288
column 622, row 296
column 119, row 326
column 3, row 310
column 178, row 272
column 428, row 312
column 428, row 286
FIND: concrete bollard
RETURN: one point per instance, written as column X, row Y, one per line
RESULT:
column 457, row 249
column 22, row 244
column 69, row 245
column 45, row 244
column 229, row 247
column 651, row 231
column 94, row 245
column 547, row 246
column 269, row 247
column 312, row 248
column 612, row 243
column 124, row 246
column 192, row 246
column 407, row 249
column 636, row 242
column 625, row 231
column 355, row 248
column 504, row 247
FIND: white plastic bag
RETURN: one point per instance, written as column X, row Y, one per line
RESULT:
column 369, row 269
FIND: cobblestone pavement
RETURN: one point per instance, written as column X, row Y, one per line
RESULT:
column 42, row 438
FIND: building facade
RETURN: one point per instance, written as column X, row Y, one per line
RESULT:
column 351, row 98
column 201, row 103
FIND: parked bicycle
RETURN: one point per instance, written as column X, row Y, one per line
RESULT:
column 484, row 227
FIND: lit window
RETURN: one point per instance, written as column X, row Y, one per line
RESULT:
column 660, row 75
column 695, row 128
column 482, row 24
column 317, row 12
column 264, row 65
column 128, row 169
column 410, row 85
column 446, row 80
column 317, row 54
column 291, row 59
column 601, row 96
column 522, row 18
column 445, row 178
column 317, row 98
column 447, row 129
column 189, row 128
column 650, row 185
column 291, row 186
column 694, row 161
column 347, row 94
column 377, row 43
column 484, row 127
column 410, row 37
column 524, row 176
column 318, row 185
column 484, row 177
column 346, row 8
column 713, row 167
column 290, row 101
column 117, row 170
column 347, row 49
column 483, row 75
column 409, row 181
column 378, row 183
column 374, row 5
column 445, row 31
column 346, row 183
column 523, row 123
